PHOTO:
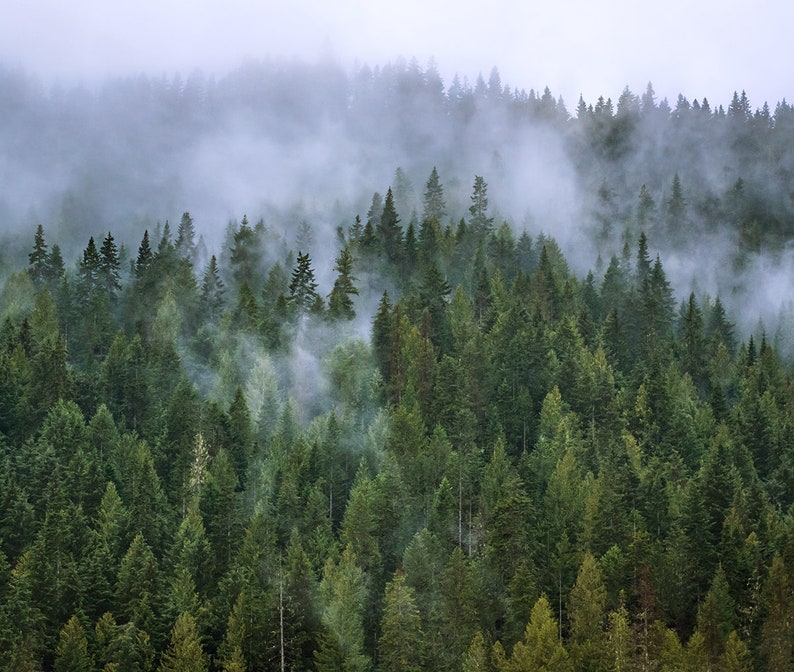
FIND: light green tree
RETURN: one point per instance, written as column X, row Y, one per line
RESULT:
column 185, row 653
column 400, row 643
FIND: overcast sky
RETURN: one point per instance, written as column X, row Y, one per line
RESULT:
column 592, row 47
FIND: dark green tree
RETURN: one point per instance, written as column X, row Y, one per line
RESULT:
column 340, row 303
column 39, row 260
column 389, row 231
column 479, row 221
column 109, row 265
column 303, row 287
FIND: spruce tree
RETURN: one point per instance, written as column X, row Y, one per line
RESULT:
column 186, row 238
column 145, row 256
column 401, row 639
column 390, row 235
column 39, row 259
column 185, row 653
column 434, row 205
column 212, row 291
column 340, row 303
column 303, row 287
column 71, row 654
column 109, row 267
column 479, row 221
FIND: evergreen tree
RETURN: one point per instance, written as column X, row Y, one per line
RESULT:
column 90, row 279
column 400, row 643
column 145, row 256
column 479, row 221
column 185, row 653
column 55, row 268
column 389, row 232
column 212, row 291
column 303, row 287
column 342, row 593
column 435, row 206
column 186, row 238
column 677, row 222
column 109, row 265
column 340, row 303
column 72, row 655
column 541, row 648
column 39, row 259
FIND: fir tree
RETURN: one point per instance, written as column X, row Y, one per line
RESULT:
column 389, row 232
column 39, row 259
column 340, row 303
column 434, row 205
column 303, row 287
column 109, row 265
column 145, row 256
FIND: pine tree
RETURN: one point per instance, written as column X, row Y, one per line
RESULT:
column 109, row 265
column 145, row 256
column 389, row 232
column 303, row 287
column 586, row 611
column 55, row 268
column 89, row 278
column 186, row 238
column 677, row 222
column 340, row 303
column 212, row 291
column 400, row 643
column 71, row 654
column 541, row 648
column 185, row 653
column 479, row 221
column 39, row 259
column 342, row 593
column 434, row 205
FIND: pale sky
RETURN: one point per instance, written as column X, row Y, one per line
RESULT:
column 698, row 48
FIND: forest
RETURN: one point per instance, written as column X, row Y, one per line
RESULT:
column 434, row 428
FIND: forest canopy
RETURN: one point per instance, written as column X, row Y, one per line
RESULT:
column 417, row 430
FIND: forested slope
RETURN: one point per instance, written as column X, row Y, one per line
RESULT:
column 518, row 468
column 522, row 416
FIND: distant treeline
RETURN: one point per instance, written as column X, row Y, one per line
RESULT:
column 78, row 157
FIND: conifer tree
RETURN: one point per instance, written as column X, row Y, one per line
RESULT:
column 340, row 303
column 479, row 221
column 586, row 611
column 186, row 238
column 145, row 256
column 401, row 639
column 303, row 287
column 89, row 279
column 109, row 265
column 390, row 235
column 677, row 222
column 185, row 653
column 212, row 291
column 39, row 259
column 55, row 268
column 434, row 205
column 71, row 654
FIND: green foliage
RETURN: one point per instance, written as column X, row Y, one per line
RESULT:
column 517, row 469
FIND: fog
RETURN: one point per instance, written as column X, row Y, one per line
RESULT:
column 583, row 47
column 304, row 145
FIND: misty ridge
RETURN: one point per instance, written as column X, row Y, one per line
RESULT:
column 296, row 143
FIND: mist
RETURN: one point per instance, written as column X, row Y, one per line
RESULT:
column 306, row 145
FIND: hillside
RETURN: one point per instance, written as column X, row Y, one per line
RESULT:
column 394, row 426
